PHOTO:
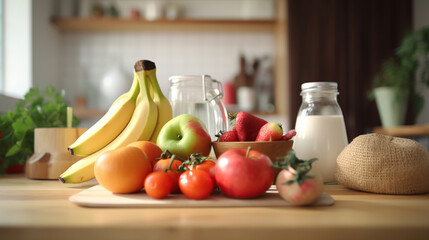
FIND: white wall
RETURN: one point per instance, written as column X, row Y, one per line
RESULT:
column 17, row 47
column 37, row 54
column 45, row 46
column 421, row 19
column 30, row 50
column 78, row 62
column 88, row 57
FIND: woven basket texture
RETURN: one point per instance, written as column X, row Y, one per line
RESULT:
column 383, row 164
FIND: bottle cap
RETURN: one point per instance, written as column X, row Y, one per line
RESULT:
column 319, row 86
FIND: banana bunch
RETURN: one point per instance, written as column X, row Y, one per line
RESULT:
column 134, row 116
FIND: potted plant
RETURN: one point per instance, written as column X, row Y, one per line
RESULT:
column 400, row 77
column 37, row 109
column 391, row 90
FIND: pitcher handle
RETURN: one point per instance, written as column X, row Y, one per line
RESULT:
column 220, row 105
column 219, row 86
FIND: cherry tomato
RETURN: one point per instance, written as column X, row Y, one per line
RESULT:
column 158, row 185
column 196, row 184
column 162, row 165
column 203, row 163
column 208, row 166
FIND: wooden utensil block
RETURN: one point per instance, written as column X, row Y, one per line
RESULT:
column 51, row 158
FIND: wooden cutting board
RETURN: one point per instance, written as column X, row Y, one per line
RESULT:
column 97, row 196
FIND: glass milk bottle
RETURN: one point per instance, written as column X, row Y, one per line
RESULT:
column 200, row 96
column 321, row 132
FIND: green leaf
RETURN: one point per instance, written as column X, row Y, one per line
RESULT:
column 50, row 91
column 302, row 167
column 20, row 128
column 14, row 149
column 289, row 182
column 58, row 97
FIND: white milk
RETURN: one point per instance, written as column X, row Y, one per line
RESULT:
column 322, row 137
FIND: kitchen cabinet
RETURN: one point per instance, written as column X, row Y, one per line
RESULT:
column 40, row 209
column 277, row 27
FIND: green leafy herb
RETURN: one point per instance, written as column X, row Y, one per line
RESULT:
column 38, row 109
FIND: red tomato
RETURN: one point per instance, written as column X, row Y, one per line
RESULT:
column 158, row 185
column 243, row 176
column 208, row 166
column 306, row 193
column 162, row 165
column 196, row 184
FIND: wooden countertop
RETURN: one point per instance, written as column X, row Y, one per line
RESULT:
column 40, row 209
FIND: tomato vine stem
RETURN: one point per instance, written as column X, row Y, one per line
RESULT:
column 301, row 167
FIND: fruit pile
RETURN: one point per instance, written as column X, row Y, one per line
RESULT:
column 251, row 128
column 177, row 163
column 142, row 164
column 138, row 145
column 238, row 173
column 134, row 116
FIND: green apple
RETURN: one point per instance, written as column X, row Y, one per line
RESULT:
column 184, row 135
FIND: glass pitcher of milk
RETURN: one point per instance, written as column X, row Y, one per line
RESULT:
column 201, row 96
column 320, row 128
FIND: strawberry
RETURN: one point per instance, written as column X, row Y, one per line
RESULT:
column 271, row 131
column 289, row 135
column 229, row 136
column 247, row 126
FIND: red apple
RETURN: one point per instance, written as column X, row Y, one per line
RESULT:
column 243, row 173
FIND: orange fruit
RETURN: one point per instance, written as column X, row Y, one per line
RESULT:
column 152, row 150
column 122, row 170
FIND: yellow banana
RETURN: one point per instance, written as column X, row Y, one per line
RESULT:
column 140, row 127
column 109, row 126
column 165, row 112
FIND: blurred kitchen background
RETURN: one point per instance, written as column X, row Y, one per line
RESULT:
column 88, row 48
